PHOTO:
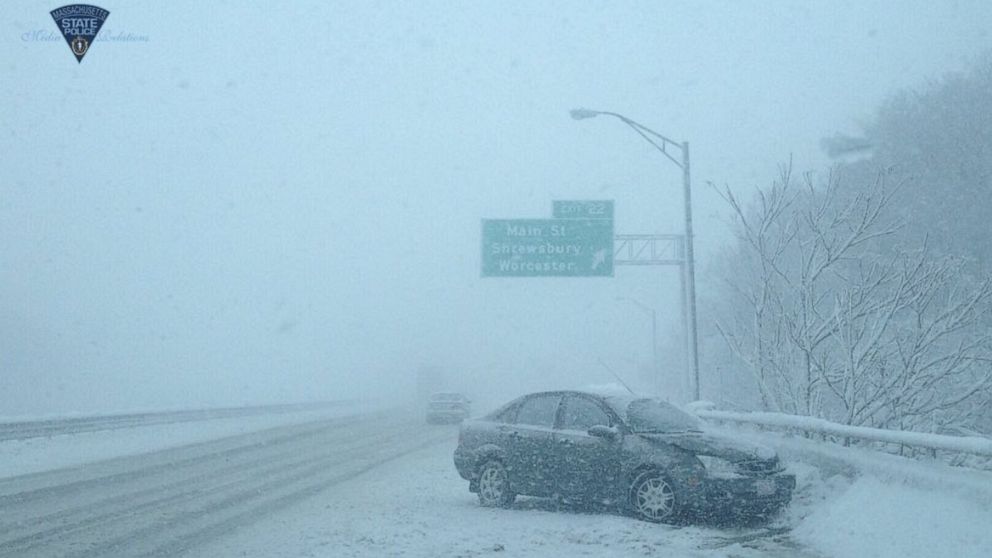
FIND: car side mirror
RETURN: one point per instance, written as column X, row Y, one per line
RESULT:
column 602, row 431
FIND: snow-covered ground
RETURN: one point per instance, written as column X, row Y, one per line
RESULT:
column 873, row 518
column 419, row 507
column 845, row 506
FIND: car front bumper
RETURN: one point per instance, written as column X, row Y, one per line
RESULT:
column 745, row 496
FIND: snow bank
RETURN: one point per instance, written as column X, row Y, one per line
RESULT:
column 873, row 518
column 855, row 502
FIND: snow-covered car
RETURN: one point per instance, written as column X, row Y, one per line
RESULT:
column 448, row 407
column 640, row 454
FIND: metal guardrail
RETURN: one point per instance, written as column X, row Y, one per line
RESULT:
column 22, row 430
column 973, row 445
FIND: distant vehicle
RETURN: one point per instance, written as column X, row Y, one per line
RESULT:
column 448, row 407
column 642, row 455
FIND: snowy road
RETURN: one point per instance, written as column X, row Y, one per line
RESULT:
column 168, row 502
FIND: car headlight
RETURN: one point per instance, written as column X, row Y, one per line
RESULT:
column 718, row 467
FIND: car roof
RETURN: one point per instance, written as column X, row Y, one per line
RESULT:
column 617, row 402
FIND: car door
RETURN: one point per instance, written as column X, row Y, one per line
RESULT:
column 587, row 467
column 529, row 445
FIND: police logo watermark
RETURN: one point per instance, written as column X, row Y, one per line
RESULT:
column 79, row 24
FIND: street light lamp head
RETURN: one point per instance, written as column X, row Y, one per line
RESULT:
column 583, row 113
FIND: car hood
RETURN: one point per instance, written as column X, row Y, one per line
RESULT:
column 715, row 444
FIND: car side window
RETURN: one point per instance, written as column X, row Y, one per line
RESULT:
column 539, row 411
column 507, row 415
column 581, row 414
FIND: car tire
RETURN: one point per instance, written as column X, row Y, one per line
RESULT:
column 653, row 498
column 494, row 485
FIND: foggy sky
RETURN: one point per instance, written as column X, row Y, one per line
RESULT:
column 282, row 203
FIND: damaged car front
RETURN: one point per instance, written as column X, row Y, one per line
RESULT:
column 713, row 475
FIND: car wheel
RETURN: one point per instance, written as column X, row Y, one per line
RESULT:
column 653, row 498
column 494, row 485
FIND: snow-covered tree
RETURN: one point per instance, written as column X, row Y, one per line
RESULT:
column 831, row 321
column 937, row 140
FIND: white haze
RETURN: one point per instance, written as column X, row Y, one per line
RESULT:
column 281, row 201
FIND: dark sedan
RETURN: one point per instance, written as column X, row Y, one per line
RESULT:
column 641, row 454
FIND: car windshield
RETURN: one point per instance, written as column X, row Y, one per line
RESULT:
column 653, row 416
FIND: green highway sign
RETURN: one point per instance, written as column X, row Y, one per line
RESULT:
column 547, row 247
column 585, row 209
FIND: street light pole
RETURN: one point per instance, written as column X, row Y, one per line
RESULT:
column 689, row 275
column 690, row 271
